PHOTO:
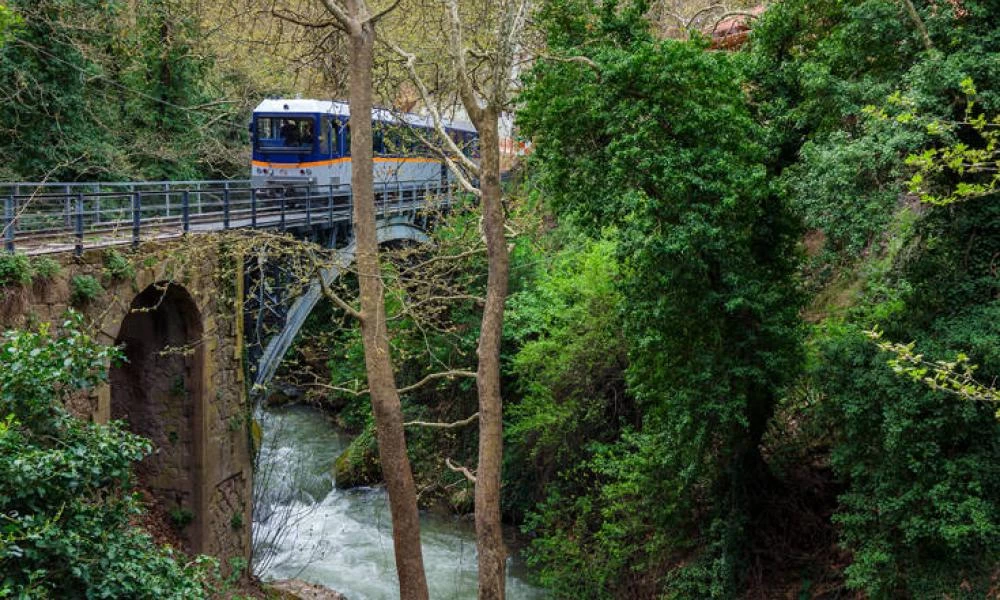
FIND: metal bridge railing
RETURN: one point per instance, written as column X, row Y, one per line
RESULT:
column 53, row 217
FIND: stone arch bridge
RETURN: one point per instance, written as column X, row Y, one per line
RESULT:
column 197, row 332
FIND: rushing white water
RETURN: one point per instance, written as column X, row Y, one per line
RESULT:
column 305, row 528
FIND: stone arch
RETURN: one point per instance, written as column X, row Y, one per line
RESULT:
column 158, row 391
column 393, row 231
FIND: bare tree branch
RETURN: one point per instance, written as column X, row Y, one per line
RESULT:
column 460, row 469
column 350, row 25
column 409, row 61
column 456, row 44
column 310, row 24
column 378, row 16
column 919, row 23
column 435, row 376
column 333, row 297
column 434, row 425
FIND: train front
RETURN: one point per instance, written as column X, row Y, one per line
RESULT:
column 295, row 149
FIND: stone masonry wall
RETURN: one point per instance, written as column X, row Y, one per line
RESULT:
column 223, row 467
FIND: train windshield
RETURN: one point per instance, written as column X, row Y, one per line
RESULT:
column 284, row 133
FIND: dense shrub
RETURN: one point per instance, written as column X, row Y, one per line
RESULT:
column 567, row 368
column 921, row 510
column 65, row 485
column 45, row 268
column 117, row 266
column 84, row 289
column 15, row 269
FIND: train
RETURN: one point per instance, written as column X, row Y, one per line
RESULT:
column 302, row 145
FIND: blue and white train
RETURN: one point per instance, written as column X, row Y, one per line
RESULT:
column 301, row 145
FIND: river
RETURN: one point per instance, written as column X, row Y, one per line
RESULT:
column 306, row 528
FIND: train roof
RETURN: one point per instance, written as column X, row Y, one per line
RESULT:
column 334, row 107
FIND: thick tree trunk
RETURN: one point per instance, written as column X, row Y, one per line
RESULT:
column 489, row 536
column 378, row 362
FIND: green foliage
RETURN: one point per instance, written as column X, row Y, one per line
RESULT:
column 922, row 471
column 130, row 96
column 816, row 66
column 567, row 370
column 853, row 93
column 657, row 141
column 84, row 289
column 15, row 269
column 117, row 267
column 20, row 270
column 966, row 162
column 45, row 268
column 956, row 376
column 181, row 517
column 9, row 22
column 65, row 484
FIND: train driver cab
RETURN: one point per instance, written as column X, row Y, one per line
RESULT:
column 284, row 134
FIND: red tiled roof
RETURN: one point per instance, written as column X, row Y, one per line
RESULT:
column 732, row 32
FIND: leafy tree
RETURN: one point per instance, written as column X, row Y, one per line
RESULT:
column 816, row 66
column 130, row 95
column 656, row 139
column 8, row 22
column 917, row 466
column 919, row 512
column 65, row 484
column 50, row 71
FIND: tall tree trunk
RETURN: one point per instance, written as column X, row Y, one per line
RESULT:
column 378, row 362
column 489, row 536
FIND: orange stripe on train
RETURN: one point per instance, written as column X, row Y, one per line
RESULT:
column 323, row 163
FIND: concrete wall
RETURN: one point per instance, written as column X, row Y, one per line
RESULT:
column 201, row 429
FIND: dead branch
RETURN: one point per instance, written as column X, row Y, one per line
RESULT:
column 435, row 376
column 460, row 469
column 436, row 425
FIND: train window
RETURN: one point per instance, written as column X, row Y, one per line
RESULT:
column 328, row 137
column 284, row 133
column 346, row 135
column 378, row 141
column 324, row 136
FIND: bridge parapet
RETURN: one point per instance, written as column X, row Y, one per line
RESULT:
column 61, row 217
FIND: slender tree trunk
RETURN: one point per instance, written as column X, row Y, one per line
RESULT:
column 918, row 23
column 378, row 362
column 489, row 536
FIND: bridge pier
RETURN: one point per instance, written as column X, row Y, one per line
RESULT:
column 191, row 404
column 159, row 392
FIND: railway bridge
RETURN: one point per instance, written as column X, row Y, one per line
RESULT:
column 200, row 327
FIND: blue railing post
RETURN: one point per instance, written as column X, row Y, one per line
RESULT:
column 281, row 210
column 225, row 207
column 253, row 208
column 68, row 207
column 8, row 223
column 309, row 197
column 329, row 205
column 79, row 225
column 136, row 217
column 186, row 210
column 350, row 211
